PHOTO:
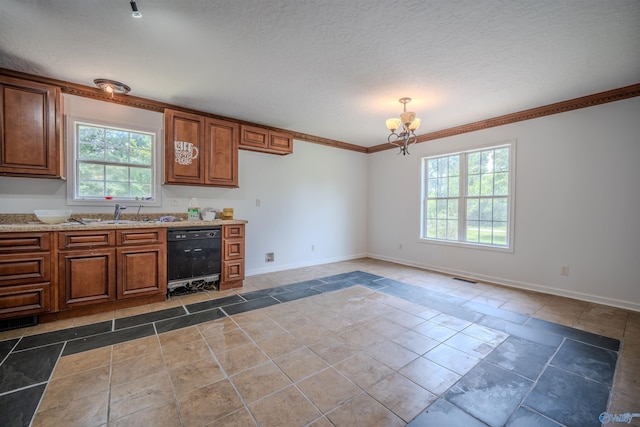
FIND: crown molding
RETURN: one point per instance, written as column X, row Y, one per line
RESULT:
column 532, row 113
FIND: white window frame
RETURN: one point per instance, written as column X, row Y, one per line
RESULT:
column 72, row 163
column 462, row 197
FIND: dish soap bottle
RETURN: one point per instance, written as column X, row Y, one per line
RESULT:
column 193, row 210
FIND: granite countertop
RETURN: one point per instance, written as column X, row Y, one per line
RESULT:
column 28, row 222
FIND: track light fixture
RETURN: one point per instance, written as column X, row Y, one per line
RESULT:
column 134, row 10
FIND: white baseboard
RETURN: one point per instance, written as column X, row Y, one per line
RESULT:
column 311, row 263
column 628, row 305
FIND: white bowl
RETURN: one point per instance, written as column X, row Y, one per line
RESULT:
column 52, row 216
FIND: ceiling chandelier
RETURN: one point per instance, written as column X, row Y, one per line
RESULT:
column 112, row 86
column 406, row 135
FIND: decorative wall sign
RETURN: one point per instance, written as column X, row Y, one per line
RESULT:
column 186, row 152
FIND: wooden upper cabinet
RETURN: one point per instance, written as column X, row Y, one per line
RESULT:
column 221, row 156
column 200, row 150
column 255, row 138
column 30, row 129
column 183, row 148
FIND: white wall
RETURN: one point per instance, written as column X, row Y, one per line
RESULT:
column 577, row 204
column 315, row 196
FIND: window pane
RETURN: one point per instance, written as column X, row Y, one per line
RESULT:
column 442, row 209
column 473, row 162
column 486, row 184
column 117, row 173
column 486, row 232
column 118, row 189
column 486, row 209
column 487, row 161
column 500, row 209
column 140, row 141
column 88, row 172
column 452, row 209
column 443, row 188
column 140, row 175
column 432, row 168
column 431, row 208
column 87, row 151
column 452, row 230
column 432, row 188
column 140, row 157
column 90, row 134
column 91, row 189
column 473, row 209
column 473, row 231
column 443, row 167
column 454, row 187
column 502, row 159
column 454, row 166
column 441, row 232
column 500, row 233
column 431, row 229
column 473, row 185
column 501, row 184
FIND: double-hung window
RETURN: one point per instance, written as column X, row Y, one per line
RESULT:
column 112, row 163
column 467, row 197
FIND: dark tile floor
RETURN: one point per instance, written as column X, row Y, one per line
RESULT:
column 480, row 365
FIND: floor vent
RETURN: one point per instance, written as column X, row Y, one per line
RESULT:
column 20, row 322
column 464, row 280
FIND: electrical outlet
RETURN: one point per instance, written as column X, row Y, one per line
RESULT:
column 564, row 270
column 257, row 203
column 269, row 257
column 313, row 248
column 400, row 246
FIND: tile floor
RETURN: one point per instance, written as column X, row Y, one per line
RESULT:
column 353, row 343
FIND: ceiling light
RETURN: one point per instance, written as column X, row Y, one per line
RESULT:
column 112, row 86
column 409, row 124
column 134, row 10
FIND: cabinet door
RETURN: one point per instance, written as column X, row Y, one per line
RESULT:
column 221, row 158
column 281, row 142
column 86, row 277
column 254, row 137
column 30, row 129
column 183, row 144
column 141, row 271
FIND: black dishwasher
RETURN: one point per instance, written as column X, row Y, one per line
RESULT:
column 194, row 257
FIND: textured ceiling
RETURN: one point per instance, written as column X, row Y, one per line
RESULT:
column 333, row 69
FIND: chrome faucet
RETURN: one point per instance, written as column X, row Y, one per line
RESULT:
column 118, row 211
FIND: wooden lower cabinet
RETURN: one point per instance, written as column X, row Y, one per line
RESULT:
column 25, row 274
column 86, row 277
column 232, row 256
column 141, row 271
column 96, row 267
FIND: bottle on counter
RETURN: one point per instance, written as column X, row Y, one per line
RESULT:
column 193, row 210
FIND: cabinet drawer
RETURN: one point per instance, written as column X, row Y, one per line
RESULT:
column 25, row 268
column 25, row 300
column 141, row 236
column 23, row 242
column 232, row 270
column 235, row 231
column 232, row 249
column 85, row 239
